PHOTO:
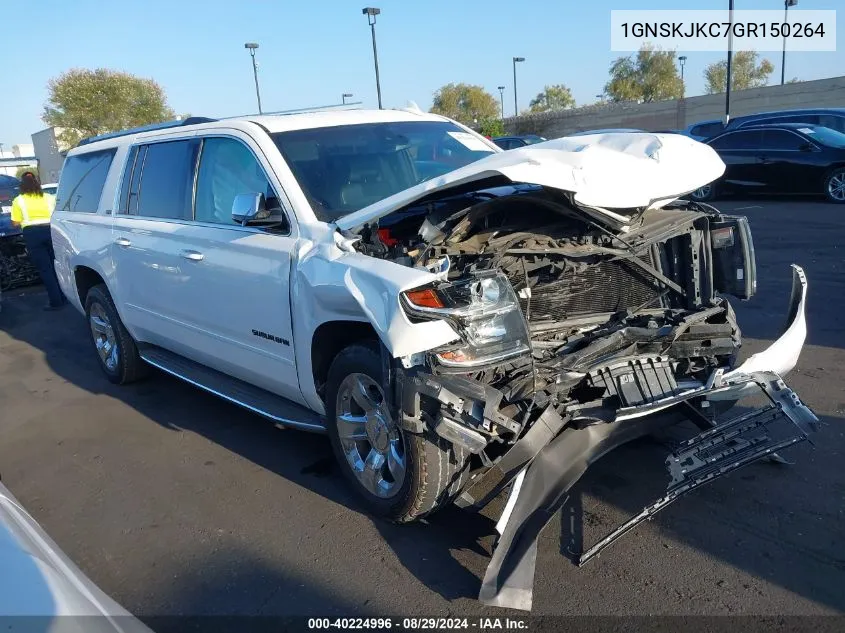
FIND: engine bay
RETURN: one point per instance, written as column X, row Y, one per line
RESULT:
column 555, row 309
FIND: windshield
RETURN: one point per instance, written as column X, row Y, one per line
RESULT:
column 825, row 136
column 345, row 168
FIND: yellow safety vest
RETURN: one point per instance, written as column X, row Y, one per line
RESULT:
column 29, row 209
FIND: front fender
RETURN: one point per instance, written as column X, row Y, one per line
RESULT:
column 332, row 285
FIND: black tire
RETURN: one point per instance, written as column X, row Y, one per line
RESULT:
column 704, row 194
column 128, row 366
column 435, row 469
column 835, row 176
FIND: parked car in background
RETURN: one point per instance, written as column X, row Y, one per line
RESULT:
column 703, row 130
column 42, row 589
column 833, row 118
column 50, row 188
column 790, row 158
column 8, row 190
column 511, row 142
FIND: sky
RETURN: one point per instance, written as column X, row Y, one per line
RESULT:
column 312, row 52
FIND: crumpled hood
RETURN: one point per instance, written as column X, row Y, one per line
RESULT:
column 619, row 171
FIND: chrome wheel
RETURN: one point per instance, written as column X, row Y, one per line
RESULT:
column 836, row 186
column 703, row 193
column 104, row 339
column 371, row 440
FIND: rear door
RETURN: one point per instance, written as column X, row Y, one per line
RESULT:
column 740, row 153
column 153, row 211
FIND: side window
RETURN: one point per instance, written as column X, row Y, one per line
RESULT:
column 167, row 178
column 228, row 168
column 833, row 122
column 82, row 180
column 740, row 141
column 782, row 140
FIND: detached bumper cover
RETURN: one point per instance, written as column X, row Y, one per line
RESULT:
column 541, row 485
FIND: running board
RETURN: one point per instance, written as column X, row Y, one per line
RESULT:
column 723, row 449
column 269, row 405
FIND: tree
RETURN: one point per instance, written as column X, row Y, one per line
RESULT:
column 557, row 97
column 90, row 102
column 465, row 103
column 492, row 128
column 746, row 72
column 651, row 75
column 20, row 171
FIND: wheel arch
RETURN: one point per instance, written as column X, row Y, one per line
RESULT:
column 329, row 339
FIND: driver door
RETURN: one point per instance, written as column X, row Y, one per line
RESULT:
column 235, row 297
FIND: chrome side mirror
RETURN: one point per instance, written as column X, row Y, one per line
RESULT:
column 250, row 209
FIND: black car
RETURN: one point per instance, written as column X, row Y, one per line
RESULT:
column 793, row 158
column 834, row 118
column 512, row 142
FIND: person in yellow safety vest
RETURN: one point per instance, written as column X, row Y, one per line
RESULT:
column 31, row 210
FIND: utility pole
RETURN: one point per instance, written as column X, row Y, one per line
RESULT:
column 252, row 46
column 371, row 13
column 730, row 61
column 786, row 5
column 515, row 101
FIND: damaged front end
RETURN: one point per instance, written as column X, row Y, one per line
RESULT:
column 576, row 336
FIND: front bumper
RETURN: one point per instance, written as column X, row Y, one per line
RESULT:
column 553, row 454
column 541, row 485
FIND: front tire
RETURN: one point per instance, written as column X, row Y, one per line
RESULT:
column 115, row 349
column 705, row 193
column 400, row 475
column 834, row 186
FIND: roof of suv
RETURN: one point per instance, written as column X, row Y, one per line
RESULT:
column 273, row 122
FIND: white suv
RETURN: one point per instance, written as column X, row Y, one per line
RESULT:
column 456, row 318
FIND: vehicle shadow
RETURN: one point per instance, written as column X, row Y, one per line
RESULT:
column 774, row 522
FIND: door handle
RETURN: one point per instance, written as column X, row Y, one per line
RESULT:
column 192, row 256
column 122, row 241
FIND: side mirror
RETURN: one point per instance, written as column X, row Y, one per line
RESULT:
column 808, row 147
column 250, row 209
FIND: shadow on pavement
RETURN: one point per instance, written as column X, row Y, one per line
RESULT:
column 763, row 520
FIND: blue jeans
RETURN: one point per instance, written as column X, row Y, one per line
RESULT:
column 39, row 245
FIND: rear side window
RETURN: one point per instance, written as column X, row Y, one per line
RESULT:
column 167, row 178
column 739, row 140
column 706, row 129
column 82, row 180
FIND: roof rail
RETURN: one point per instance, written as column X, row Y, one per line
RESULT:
column 192, row 120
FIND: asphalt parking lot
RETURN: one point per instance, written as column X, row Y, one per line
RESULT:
column 176, row 503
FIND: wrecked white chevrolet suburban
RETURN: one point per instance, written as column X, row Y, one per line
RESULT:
column 459, row 320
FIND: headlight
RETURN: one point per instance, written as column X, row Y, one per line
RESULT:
column 484, row 310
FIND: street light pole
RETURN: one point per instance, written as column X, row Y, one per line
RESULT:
column 502, row 100
column 345, row 96
column 515, row 101
column 683, row 60
column 786, row 5
column 371, row 13
column 730, row 61
column 252, row 46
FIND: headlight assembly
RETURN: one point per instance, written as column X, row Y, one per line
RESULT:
column 485, row 312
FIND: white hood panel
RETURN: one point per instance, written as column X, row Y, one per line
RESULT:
column 604, row 171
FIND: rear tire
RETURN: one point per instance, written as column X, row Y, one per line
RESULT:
column 399, row 475
column 834, row 186
column 115, row 348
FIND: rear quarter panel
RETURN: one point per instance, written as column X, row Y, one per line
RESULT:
column 85, row 239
